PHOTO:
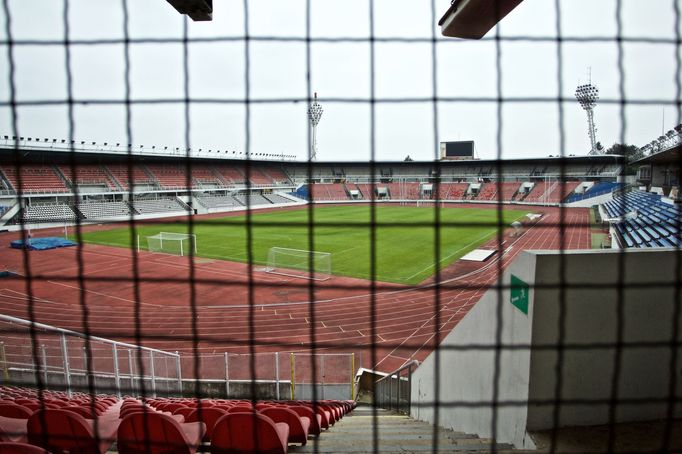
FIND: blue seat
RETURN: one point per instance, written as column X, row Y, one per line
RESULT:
column 652, row 233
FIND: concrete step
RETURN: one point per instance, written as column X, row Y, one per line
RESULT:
column 388, row 432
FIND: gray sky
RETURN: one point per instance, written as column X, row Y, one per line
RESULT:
column 465, row 69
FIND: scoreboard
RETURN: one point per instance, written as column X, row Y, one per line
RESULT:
column 461, row 149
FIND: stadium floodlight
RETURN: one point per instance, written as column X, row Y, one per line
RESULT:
column 314, row 114
column 588, row 95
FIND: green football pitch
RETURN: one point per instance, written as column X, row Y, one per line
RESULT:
column 404, row 237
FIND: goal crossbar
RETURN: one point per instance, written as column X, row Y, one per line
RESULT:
column 171, row 243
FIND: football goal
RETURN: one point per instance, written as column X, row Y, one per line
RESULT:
column 171, row 243
column 298, row 263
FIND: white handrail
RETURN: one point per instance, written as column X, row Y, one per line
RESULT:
column 21, row 321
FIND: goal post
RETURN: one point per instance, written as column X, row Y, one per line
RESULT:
column 172, row 243
column 299, row 263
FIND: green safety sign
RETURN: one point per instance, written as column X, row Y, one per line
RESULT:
column 519, row 294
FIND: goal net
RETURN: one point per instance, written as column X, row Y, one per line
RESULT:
column 172, row 243
column 298, row 263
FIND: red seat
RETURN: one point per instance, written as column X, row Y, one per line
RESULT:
column 20, row 448
column 13, row 429
column 157, row 433
column 209, row 416
column 12, row 410
column 64, row 431
column 315, row 418
column 249, row 433
column 298, row 425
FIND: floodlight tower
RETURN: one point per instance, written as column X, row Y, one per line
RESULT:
column 588, row 95
column 314, row 115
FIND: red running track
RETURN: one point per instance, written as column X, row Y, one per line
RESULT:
column 270, row 313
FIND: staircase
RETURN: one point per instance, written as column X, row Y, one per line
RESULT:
column 396, row 433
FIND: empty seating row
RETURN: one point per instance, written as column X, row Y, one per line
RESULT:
column 643, row 220
column 103, row 210
column 162, row 205
column 34, row 178
column 88, row 174
column 54, row 212
column 91, row 424
column 253, row 199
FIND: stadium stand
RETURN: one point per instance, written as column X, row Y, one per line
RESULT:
column 139, row 178
column 550, row 192
column 253, row 199
column 160, row 205
column 103, row 210
column 169, row 176
column 59, row 422
column 34, row 178
column 600, row 188
column 643, row 220
column 218, row 201
column 328, row 191
column 453, row 191
column 88, row 176
column 232, row 174
column 403, row 191
column 50, row 213
column 276, row 198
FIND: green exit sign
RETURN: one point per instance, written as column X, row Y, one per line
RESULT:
column 519, row 294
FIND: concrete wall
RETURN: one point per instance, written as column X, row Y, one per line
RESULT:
column 467, row 376
column 591, row 317
column 592, row 308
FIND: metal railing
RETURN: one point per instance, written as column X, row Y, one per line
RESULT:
column 71, row 361
column 393, row 391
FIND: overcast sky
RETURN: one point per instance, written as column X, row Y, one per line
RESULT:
column 464, row 69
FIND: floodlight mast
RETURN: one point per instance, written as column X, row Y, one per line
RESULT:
column 588, row 95
column 314, row 114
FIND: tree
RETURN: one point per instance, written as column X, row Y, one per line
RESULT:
column 631, row 152
column 408, row 158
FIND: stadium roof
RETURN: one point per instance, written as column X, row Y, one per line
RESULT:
column 668, row 156
column 198, row 10
column 34, row 153
column 472, row 19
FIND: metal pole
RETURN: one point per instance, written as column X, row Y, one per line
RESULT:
column 352, row 376
column 3, row 362
column 65, row 363
column 227, row 377
column 277, row 375
column 132, row 375
column 151, row 371
column 178, row 367
column 322, row 374
column 117, row 377
column 44, row 354
column 293, row 377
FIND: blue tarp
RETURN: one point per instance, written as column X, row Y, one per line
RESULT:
column 41, row 244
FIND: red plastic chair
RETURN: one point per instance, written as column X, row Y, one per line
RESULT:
column 11, row 410
column 298, row 425
column 249, row 433
column 20, row 448
column 209, row 416
column 156, row 433
column 315, row 419
column 64, row 431
column 13, row 429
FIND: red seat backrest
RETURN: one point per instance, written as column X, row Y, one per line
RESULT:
column 246, row 433
column 209, row 416
column 20, row 448
column 11, row 410
column 61, row 430
column 151, row 433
